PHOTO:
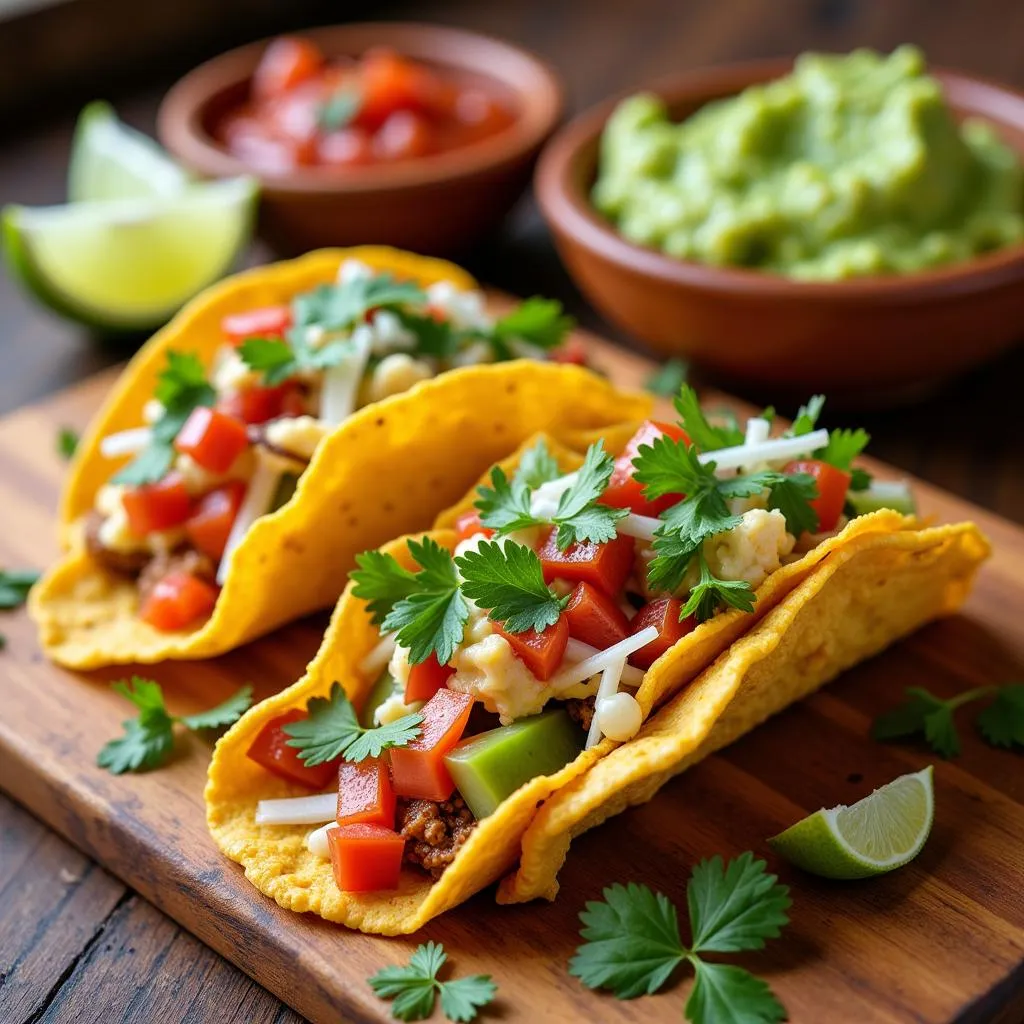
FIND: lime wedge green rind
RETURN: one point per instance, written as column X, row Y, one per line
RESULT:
column 125, row 265
column 882, row 832
column 110, row 160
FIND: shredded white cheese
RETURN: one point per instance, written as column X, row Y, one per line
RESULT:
column 573, row 674
column 776, row 449
column 544, row 500
column 125, row 442
column 577, row 650
column 341, row 382
column 608, row 686
column 299, row 810
column 640, row 527
column 258, row 496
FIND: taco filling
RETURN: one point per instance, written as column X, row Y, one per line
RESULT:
column 220, row 449
column 504, row 657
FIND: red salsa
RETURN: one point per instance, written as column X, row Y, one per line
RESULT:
column 305, row 110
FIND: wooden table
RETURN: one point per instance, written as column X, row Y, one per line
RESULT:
column 75, row 944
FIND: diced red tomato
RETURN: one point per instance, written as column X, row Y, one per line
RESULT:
column 159, row 506
column 595, row 618
column 365, row 793
column 426, row 678
column 833, row 485
column 257, row 404
column 663, row 613
column 178, row 600
column 418, row 769
column 572, row 351
column 624, row 490
column 210, row 523
column 365, row 858
column 285, row 63
column 541, row 653
column 213, row 439
column 606, row 566
column 268, row 322
column 388, row 82
column 270, row 750
column 403, row 135
column 468, row 525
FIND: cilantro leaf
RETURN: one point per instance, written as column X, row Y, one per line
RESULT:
column 335, row 307
column 331, row 730
column 338, row 109
column 710, row 592
column 595, row 523
column 67, row 442
column 806, row 417
column 578, row 517
column 860, row 479
column 14, row 587
column 223, row 714
column 1002, row 722
column 668, row 378
column 706, row 437
column 273, row 356
column 537, row 466
column 537, row 321
column 381, row 582
column 792, row 495
column 505, row 506
column 149, row 739
column 509, row 582
column 436, row 338
column 414, row 988
column 735, row 906
column 926, row 715
column 667, row 466
column 633, row 944
column 843, row 447
column 724, row 992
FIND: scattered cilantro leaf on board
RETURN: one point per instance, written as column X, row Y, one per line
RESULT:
column 67, row 442
column 668, row 379
column 633, row 943
column 415, row 988
column 1002, row 722
column 14, row 587
column 331, row 730
column 148, row 738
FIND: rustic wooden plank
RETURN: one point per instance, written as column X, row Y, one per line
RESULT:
column 53, row 904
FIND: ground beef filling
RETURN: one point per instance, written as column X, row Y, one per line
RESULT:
column 434, row 831
column 127, row 563
column 187, row 561
column 581, row 711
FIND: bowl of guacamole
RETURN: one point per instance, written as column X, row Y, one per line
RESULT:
column 851, row 222
column 848, row 166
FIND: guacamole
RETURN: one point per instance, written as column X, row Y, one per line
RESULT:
column 851, row 165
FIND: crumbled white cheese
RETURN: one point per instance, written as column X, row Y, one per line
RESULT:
column 353, row 270
column 396, row 373
column 153, row 410
column 490, row 671
column 463, row 308
column 232, row 373
column 298, row 435
column 394, row 708
column 752, row 549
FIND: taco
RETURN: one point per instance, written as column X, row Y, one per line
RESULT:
column 285, row 420
column 507, row 658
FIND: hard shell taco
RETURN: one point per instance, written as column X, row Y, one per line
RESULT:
column 285, row 420
column 475, row 679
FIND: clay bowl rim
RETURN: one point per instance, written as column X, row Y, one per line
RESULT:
column 566, row 206
column 541, row 105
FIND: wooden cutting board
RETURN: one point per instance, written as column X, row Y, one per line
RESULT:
column 939, row 941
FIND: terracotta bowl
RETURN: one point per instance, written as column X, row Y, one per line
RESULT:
column 436, row 204
column 883, row 335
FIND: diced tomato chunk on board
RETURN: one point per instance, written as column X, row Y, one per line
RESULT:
column 210, row 524
column 418, row 769
column 594, row 618
column 365, row 793
column 213, row 439
column 624, row 490
column 268, row 322
column 270, row 750
column 365, row 858
column 257, row 404
column 157, row 506
column 178, row 600
column 541, row 653
column 426, row 678
column 285, row 63
column 468, row 525
column 662, row 613
column 606, row 566
column 833, row 485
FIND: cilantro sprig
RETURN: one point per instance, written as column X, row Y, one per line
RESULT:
column 506, row 506
column 415, row 988
column 706, row 436
column 922, row 714
column 67, row 442
column 181, row 387
column 668, row 379
column 14, row 587
column 331, row 730
column 633, row 943
column 149, row 737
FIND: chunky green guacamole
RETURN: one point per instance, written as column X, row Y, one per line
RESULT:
column 850, row 165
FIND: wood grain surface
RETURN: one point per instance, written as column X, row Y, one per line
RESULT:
column 941, row 941
column 966, row 439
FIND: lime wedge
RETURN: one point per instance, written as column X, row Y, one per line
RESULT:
column 128, row 264
column 883, row 831
column 109, row 160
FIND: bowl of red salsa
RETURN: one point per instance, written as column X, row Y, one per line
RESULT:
column 419, row 136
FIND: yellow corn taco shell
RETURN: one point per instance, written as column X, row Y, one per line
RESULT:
column 386, row 470
column 275, row 858
column 868, row 593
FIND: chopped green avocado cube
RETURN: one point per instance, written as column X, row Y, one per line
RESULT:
column 883, row 494
column 490, row 767
column 384, row 688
